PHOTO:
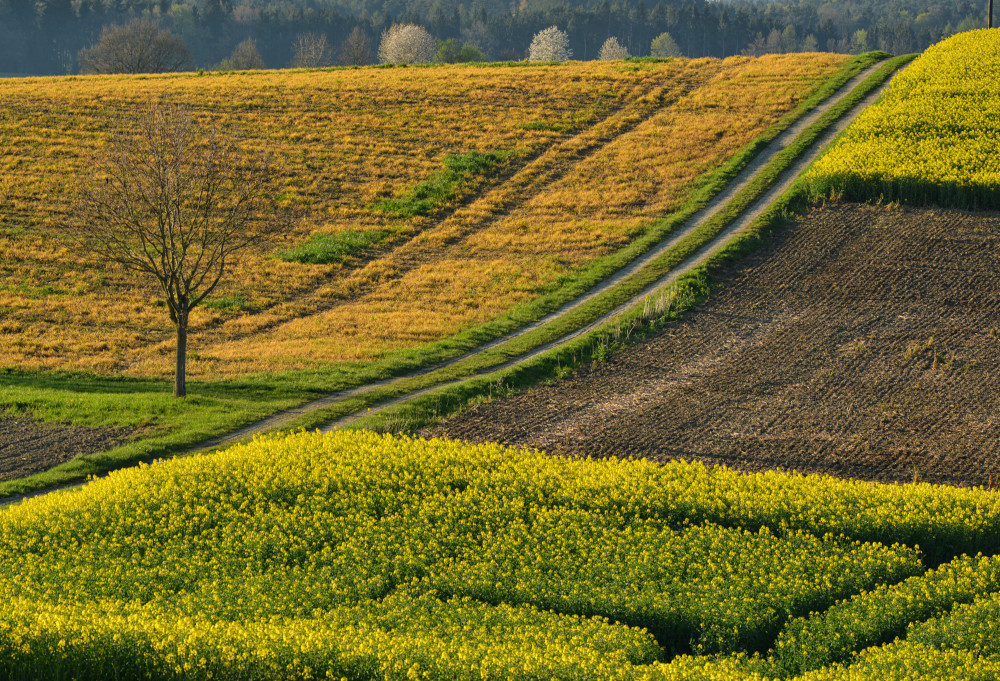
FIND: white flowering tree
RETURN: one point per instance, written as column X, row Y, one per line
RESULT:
column 612, row 49
column 407, row 44
column 550, row 45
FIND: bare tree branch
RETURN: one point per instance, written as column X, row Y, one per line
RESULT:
column 357, row 49
column 311, row 50
column 139, row 46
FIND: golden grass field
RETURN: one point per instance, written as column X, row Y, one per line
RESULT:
column 601, row 150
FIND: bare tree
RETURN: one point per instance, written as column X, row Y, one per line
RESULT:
column 757, row 46
column 139, row 46
column 550, row 45
column 168, row 198
column 311, row 51
column 357, row 49
column 244, row 57
column 407, row 44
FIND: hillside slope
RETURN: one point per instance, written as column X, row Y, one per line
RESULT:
column 860, row 342
column 595, row 153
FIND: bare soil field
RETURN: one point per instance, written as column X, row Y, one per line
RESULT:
column 862, row 341
column 28, row 446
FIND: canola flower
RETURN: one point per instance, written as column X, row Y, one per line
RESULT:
column 963, row 644
column 879, row 615
column 364, row 556
column 934, row 136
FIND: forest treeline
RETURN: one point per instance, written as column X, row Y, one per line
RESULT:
column 45, row 36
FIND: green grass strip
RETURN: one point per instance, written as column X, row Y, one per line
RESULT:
column 323, row 249
column 461, row 174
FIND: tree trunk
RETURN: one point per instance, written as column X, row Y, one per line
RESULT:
column 180, row 382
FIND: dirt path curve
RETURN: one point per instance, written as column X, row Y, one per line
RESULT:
column 717, row 204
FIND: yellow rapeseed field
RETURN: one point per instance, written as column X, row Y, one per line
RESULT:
column 934, row 137
column 364, row 556
column 597, row 151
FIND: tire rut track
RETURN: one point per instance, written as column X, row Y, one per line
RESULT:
column 480, row 212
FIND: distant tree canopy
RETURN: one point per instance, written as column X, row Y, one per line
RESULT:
column 45, row 36
column 407, row 44
column 450, row 52
column 552, row 44
column 244, row 57
column 139, row 46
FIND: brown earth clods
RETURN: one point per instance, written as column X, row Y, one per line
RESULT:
column 28, row 446
column 862, row 341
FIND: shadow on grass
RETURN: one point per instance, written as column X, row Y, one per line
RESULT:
column 79, row 382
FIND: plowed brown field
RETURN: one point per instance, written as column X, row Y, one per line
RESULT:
column 862, row 341
column 27, row 446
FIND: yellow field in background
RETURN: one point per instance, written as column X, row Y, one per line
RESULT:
column 601, row 149
column 933, row 137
